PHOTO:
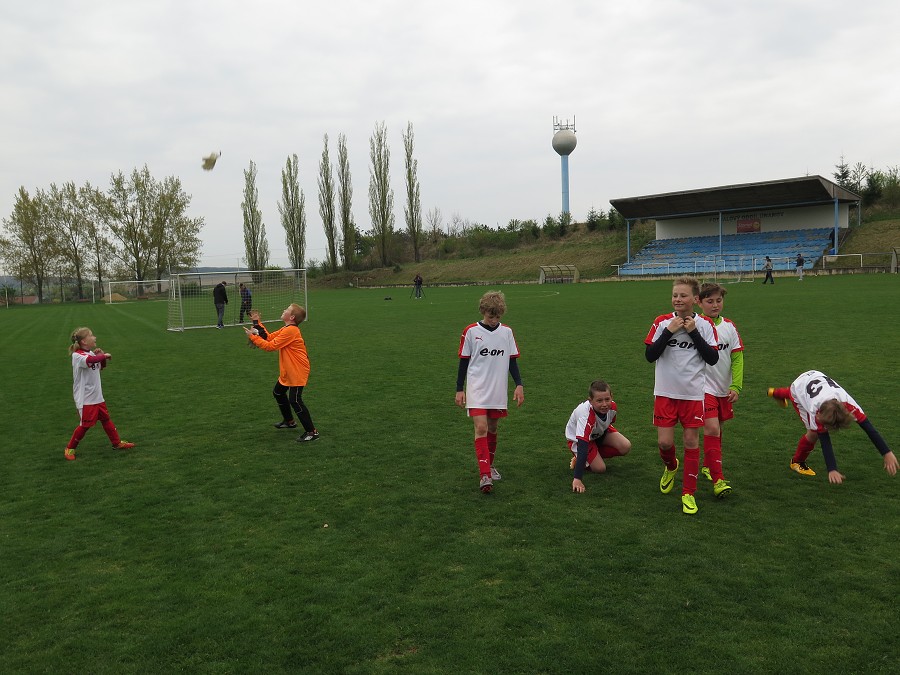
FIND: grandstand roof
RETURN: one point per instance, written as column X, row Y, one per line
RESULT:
column 804, row 191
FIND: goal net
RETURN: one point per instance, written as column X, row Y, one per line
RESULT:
column 128, row 291
column 191, row 296
column 558, row 274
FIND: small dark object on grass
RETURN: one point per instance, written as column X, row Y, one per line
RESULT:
column 388, row 298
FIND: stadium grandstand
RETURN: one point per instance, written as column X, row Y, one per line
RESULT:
column 733, row 228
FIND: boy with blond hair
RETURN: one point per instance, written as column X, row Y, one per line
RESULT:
column 488, row 354
column 293, row 369
column 825, row 406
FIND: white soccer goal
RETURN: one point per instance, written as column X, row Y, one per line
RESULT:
column 128, row 291
column 731, row 268
column 558, row 274
column 191, row 296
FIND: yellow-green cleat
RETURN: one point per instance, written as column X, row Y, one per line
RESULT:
column 688, row 504
column 668, row 479
column 721, row 489
column 802, row 468
column 705, row 472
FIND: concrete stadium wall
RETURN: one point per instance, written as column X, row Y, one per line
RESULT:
column 770, row 220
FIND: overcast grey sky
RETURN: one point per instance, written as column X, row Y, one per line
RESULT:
column 667, row 95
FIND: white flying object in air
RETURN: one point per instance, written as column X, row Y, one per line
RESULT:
column 210, row 162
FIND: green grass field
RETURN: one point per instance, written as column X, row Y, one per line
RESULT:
column 219, row 545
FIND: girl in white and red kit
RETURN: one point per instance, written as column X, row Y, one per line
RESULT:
column 87, row 362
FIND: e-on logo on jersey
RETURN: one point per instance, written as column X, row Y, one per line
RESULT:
column 684, row 344
column 491, row 352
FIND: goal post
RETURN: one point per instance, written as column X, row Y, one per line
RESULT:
column 558, row 274
column 191, row 296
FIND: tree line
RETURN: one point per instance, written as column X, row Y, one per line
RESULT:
column 346, row 246
column 138, row 228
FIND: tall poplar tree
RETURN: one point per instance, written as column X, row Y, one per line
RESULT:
column 326, row 208
column 292, row 208
column 413, row 208
column 381, row 197
column 345, row 204
column 256, row 247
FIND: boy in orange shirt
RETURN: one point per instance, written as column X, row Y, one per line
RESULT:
column 293, row 370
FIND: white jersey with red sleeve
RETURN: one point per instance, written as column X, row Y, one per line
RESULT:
column 811, row 389
column 489, row 352
column 86, row 387
column 681, row 371
column 718, row 376
column 586, row 424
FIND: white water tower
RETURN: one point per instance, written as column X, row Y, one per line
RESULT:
column 564, row 143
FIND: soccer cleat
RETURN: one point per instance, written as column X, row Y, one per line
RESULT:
column 495, row 475
column 721, row 489
column 780, row 401
column 70, row 454
column 286, row 425
column 123, row 445
column 572, row 462
column 486, row 484
column 668, row 479
column 802, row 468
column 688, row 504
column 308, row 436
column 705, row 472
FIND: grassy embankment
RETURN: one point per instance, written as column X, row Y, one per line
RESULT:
column 593, row 253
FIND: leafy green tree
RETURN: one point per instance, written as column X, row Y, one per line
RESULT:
column 292, row 208
column 345, row 204
column 30, row 248
column 413, row 208
column 176, row 237
column 326, row 210
column 148, row 221
column 381, row 196
column 67, row 214
column 256, row 247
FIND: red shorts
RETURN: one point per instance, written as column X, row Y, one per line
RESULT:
column 93, row 412
column 592, row 450
column 667, row 412
column 717, row 406
column 490, row 413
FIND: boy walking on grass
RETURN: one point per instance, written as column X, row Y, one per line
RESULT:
column 488, row 354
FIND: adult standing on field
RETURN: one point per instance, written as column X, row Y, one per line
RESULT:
column 220, row 299
column 799, row 265
column 767, row 268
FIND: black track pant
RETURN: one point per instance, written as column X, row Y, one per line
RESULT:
column 292, row 397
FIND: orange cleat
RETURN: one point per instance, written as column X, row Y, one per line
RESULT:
column 70, row 454
column 123, row 445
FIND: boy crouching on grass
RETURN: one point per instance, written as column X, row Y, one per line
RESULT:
column 591, row 435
